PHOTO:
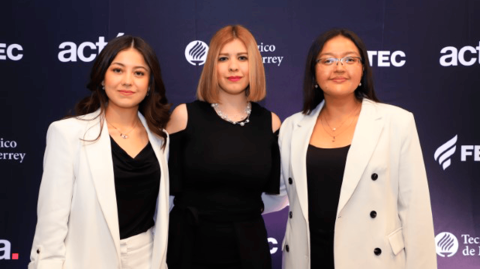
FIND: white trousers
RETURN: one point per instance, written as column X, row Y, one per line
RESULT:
column 137, row 251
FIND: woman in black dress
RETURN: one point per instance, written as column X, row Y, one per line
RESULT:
column 223, row 156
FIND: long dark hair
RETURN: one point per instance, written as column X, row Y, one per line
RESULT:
column 311, row 96
column 154, row 107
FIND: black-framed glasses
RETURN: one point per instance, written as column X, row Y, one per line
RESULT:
column 347, row 60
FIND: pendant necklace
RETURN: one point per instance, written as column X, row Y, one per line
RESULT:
column 124, row 135
column 335, row 128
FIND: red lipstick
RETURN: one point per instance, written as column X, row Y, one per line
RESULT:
column 234, row 78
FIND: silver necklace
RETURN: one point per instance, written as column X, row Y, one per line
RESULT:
column 223, row 116
column 124, row 135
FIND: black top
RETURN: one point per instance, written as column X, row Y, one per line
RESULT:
column 325, row 169
column 218, row 172
column 137, row 182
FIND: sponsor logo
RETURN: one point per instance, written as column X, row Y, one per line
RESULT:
column 84, row 52
column 447, row 244
column 451, row 56
column 196, row 52
column 385, row 58
column 267, row 59
column 6, row 249
column 273, row 243
column 11, row 52
column 8, row 145
column 470, row 150
column 444, row 152
column 471, row 244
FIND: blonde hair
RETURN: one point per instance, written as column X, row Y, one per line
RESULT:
column 208, row 86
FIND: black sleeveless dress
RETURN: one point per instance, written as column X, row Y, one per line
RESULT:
column 218, row 172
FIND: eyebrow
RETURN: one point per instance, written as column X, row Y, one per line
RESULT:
column 345, row 53
column 138, row 66
column 229, row 53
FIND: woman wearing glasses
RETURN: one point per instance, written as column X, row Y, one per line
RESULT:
column 353, row 169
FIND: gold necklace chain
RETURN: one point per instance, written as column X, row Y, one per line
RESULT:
column 334, row 129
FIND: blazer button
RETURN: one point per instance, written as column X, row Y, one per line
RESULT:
column 175, row 200
column 38, row 251
column 290, row 181
column 374, row 176
column 262, row 209
column 377, row 251
column 291, row 214
column 287, row 248
column 373, row 214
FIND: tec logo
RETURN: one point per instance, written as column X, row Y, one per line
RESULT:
column 5, row 251
column 444, row 153
column 196, row 52
column 447, row 244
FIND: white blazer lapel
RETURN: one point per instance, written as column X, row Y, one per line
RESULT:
column 161, row 214
column 368, row 129
column 300, row 140
column 99, row 155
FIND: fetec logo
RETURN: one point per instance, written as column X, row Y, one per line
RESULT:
column 5, row 250
column 467, row 153
column 444, row 152
column 447, row 244
column 11, row 52
column 386, row 58
column 196, row 52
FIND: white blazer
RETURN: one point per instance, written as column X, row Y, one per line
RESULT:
column 77, row 223
column 384, row 173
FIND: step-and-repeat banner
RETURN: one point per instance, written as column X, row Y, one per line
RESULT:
column 425, row 56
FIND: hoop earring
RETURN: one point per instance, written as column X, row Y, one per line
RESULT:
column 360, row 84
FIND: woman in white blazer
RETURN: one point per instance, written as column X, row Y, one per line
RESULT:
column 103, row 200
column 353, row 170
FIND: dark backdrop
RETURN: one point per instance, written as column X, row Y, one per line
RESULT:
column 426, row 59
